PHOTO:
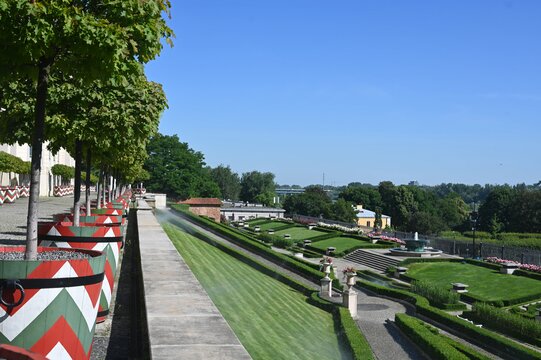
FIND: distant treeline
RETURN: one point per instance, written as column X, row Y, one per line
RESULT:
column 432, row 209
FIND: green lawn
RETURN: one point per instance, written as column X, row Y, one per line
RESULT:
column 340, row 243
column 483, row 282
column 300, row 233
column 268, row 224
column 272, row 320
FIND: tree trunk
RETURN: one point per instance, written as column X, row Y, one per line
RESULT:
column 100, row 189
column 87, row 191
column 35, row 172
column 77, row 190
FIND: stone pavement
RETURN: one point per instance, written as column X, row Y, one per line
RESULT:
column 183, row 322
column 13, row 216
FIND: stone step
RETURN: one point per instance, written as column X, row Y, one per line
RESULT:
column 372, row 260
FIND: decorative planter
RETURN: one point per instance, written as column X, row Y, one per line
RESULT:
column 24, row 191
column 92, row 219
column 105, row 211
column 351, row 279
column 2, row 195
column 11, row 194
column 107, row 239
column 50, row 307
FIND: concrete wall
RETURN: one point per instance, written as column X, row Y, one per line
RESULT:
column 210, row 211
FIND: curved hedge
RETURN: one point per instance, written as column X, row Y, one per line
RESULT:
column 481, row 337
column 438, row 347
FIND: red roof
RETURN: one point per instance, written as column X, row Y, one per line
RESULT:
column 202, row 201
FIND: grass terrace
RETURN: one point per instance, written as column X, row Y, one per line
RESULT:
column 341, row 244
column 484, row 283
column 268, row 224
column 272, row 320
column 300, row 233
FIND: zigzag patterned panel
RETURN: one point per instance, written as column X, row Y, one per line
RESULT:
column 57, row 322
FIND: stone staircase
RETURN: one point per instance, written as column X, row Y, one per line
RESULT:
column 372, row 260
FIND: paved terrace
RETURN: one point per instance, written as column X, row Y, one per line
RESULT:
column 183, row 322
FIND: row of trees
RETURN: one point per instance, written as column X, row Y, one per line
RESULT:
column 316, row 202
column 180, row 172
column 71, row 73
column 426, row 209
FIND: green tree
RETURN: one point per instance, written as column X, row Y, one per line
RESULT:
column 177, row 170
column 342, row 210
column 87, row 40
column 227, row 180
column 497, row 204
column 313, row 202
column 368, row 196
column 256, row 183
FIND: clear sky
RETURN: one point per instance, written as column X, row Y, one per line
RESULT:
column 433, row 91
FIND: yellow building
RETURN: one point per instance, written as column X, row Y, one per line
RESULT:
column 367, row 218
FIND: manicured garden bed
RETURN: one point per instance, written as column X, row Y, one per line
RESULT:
column 268, row 224
column 342, row 243
column 270, row 318
column 300, row 233
column 485, row 284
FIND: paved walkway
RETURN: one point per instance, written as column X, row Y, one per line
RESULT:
column 183, row 322
column 386, row 341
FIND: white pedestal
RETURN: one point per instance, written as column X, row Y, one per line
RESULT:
column 350, row 302
column 326, row 287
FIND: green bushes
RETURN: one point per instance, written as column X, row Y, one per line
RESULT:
column 438, row 296
column 436, row 346
column 276, row 240
column 359, row 346
column 507, row 323
column 353, row 336
column 481, row 337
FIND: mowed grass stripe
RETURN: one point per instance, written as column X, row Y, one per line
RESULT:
column 272, row 320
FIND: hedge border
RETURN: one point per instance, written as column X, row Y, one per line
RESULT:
column 433, row 344
column 481, row 337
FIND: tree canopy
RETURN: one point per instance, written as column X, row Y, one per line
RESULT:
column 177, row 170
column 257, row 187
column 227, row 181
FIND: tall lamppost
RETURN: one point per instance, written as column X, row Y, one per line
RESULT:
column 474, row 218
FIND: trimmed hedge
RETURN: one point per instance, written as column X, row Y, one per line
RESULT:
column 482, row 337
column 436, row 346
column 529, row 274
column 356, row 340
column 354, row 337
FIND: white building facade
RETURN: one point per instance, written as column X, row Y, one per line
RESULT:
column 47, row 179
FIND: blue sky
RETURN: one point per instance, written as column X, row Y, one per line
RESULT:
column 432, row 91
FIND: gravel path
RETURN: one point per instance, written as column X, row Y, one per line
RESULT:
column 386, row 341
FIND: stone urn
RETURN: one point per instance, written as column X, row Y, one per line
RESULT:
column 351, row 280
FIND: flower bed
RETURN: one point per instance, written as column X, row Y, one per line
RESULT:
column 387, row 238
column 529, row 267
